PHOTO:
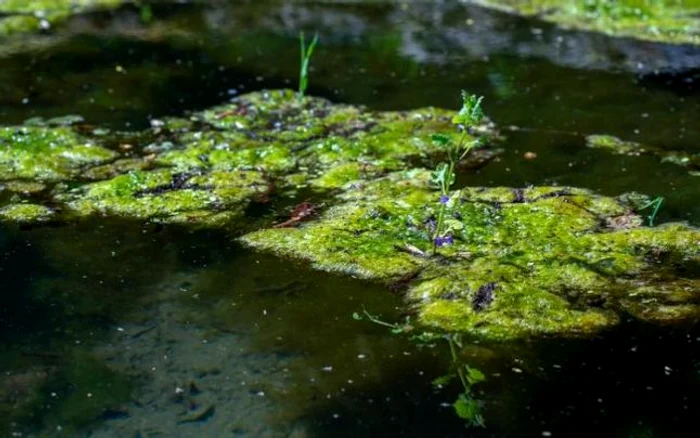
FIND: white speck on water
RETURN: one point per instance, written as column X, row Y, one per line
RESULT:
column 517, row 370
column 120, row 329
column 546, row 433
column 361, row 356
column 179, row 390
column 327, row 369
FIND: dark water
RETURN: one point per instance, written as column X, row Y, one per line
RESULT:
column 121, row 329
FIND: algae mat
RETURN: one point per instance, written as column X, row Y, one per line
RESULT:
column 522, row 261
column 534, row 261
column 206, row 170
column 666, row 21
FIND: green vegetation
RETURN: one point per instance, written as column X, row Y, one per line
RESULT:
column 306, row 53
column 524, row 262
column 669, row 21
column 513, row 262
column 47, row 154
column 444, row 176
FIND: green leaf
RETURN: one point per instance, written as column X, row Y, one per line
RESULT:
column 469, row 409
column 471, row 112
column 474, row 375
column 442, row 177
column 441, row 139
column 443, row 380
column 453, row 225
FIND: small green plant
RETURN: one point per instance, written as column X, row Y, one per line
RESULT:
column 306, row 52
column 467, row 406
column 655, row 205
column 444, row 175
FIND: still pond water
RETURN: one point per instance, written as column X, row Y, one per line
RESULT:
column 187, row 334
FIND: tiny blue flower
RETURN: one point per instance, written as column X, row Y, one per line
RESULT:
column 444, row 240
column 444, row 199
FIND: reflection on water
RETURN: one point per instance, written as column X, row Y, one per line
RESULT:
column 125, row 330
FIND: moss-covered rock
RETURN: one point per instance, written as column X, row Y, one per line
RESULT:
column 45, row 154
column 667, row 21
column 621, row 147
column 532, row 261
column 26, row 16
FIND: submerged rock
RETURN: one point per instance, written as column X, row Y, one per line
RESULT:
column 630, row 148
column 661, row 21
column 523, row 262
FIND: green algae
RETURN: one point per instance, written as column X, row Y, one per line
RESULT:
column 556, row 265
column 47, row 154
column 332, row 144
column 667, row 21
column 617, row 146
column 25, row 213
column 207, row 168
column 29, row 16
column 167, row 196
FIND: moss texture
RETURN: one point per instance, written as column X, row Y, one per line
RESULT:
column 524, row 262
column 668, row 21
column 206, row 169
column 25, row 213
column 45, row 154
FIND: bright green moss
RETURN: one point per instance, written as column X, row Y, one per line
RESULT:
column 25, row 213
column 46, row 154
column 669, row 21
column 553, row 266
column 168, row 196
column 332, row 144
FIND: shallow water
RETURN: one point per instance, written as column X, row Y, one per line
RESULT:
column 187, row 334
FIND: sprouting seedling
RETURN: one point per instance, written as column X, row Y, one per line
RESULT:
column 444, row 175
column 395, row 328
column 306, row 52
column 655, row 205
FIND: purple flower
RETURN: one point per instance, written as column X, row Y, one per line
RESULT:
column 444, row 199
column 444, row 240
